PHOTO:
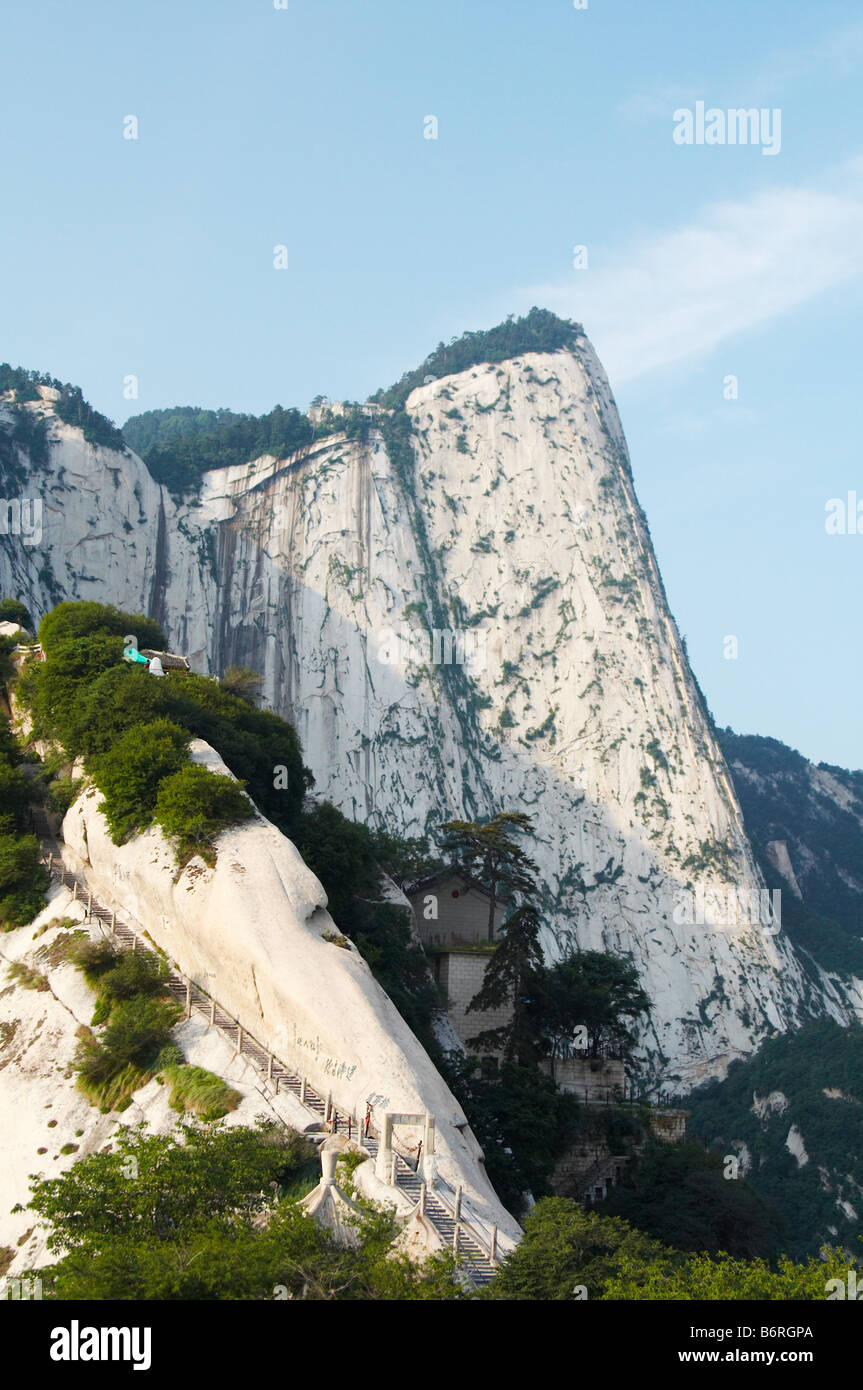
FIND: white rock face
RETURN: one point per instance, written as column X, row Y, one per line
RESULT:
column 514, row 521
column 794, row 1144
column 44, row 1112
column 776, row 1103
column 251, row 932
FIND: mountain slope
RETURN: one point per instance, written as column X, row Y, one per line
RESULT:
column 793, row 1117
column 805, row 823
column 496, row 503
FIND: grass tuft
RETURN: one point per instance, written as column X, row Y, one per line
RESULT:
column 201, row 1091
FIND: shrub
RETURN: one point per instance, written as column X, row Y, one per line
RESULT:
column 63, row 792
column 70, row 620
column 22, row 880
column 94, row 959
column 104, row 1080
column 135, row 972
column 14, row 793
column 139, row 1028
column 129, row 776
column 11, row 611
column 196, row 806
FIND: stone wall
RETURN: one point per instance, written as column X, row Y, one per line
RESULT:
column 461, row 973
column 590, row 1078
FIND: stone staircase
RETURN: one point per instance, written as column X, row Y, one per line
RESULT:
column 605, row 1173
column 477, row 1258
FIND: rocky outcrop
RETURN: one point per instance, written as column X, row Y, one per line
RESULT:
column 511, row 521
column 254, row 933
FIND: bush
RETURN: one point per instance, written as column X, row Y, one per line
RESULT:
column 22, row 880
column 86, row 697
column 76, row 620
column 139, row 1028
column 196, row 806
column 14, row 793
column 63, row 792
column 130, row 775
column 104, row 1080
column 94, row 959
column 135, row 972
column 11, row 611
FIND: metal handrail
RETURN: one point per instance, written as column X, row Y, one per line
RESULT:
column 471, row 1223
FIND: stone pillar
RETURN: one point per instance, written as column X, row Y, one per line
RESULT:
column 329, row 1158
column 428, row 1151
column 457, row 1203
column 385, row 1148
column 188, row 999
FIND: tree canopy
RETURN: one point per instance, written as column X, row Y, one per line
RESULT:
column 180, row 444
column 589, row 990
column 538, row 331
column 210, row 1213
column 489, row 853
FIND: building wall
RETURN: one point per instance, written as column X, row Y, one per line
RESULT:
column 589, row 1078
column 461, row 973
column 462, row 913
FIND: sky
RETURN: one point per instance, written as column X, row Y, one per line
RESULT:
column 720, row 283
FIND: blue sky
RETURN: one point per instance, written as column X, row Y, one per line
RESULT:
column 304, row 127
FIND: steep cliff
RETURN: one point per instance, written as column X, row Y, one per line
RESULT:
column 502, row 509
column 254, row 932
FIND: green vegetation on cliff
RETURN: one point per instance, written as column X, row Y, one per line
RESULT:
column 818, row 813
column 809, row 1082
column 70, row 407
column 133, row 732
column 569, row 1254
column 22, row 877
column 179, row 445
column 211, row 1213
column 538, row 331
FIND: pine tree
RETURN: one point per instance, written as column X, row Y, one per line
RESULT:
column 508, row 980
column 489, row 854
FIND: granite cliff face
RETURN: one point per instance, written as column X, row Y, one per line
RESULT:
column 508, row 518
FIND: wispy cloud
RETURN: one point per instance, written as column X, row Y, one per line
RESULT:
column 736, row 266
column 838, row 53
